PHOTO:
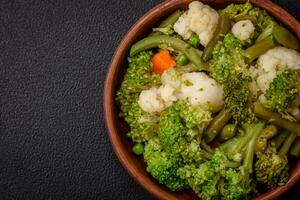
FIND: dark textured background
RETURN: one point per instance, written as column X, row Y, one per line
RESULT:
column 53, row 60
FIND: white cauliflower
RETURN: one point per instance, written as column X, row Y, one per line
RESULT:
column 272, row 63
column 155, row 100
column 243, row 29
column 199, row 88
column 167, row 94
column 150, row 101
column 278, row 59
column 172, row 78
column 200, row 19
column 182, row 26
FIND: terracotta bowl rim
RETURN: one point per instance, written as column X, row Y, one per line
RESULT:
column 108, row 95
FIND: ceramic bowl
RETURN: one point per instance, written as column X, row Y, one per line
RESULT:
column 117, row 128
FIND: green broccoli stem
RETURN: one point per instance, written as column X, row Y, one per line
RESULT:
column 216, row 125
column 279, row 139
column 255, row 130
column 287, row 145
column 275, row 118
column 236, row 144
column 295, row 149
column 227, row 163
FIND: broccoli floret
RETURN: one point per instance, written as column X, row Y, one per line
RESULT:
column 271, row 167
column 234, row 10
column 282, row 90
column 177, row 138
column 238, row 98
column 204, row 178
column 221, row 178
column 163, row 166
column 142, row 125
column 238, row 182
column 195, row 115
column 137, row 78
column 228, row 59
column 261, row 19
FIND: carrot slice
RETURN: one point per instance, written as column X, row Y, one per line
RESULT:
column 162, row 61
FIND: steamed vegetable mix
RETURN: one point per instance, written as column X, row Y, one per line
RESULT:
column 212, row 99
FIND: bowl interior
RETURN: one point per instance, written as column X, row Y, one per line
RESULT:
column 118, row 128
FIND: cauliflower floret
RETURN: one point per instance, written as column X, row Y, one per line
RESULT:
column 171, row 77
column 199, row 88
column 182, row 26
column 155, row 100
column 279, row 58
column 166, row 93
column 273, row 62
column 200, row 19
column 243, row 29
column 264, row 80
column 150, row 101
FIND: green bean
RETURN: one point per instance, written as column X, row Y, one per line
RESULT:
column 138, row 149
column 216, row 125
column 281, row 35
column 285, row 37
column 252, row 18
column 206, row 147
column 259, row 48
column 287, row 145
column 171, row 19
column 155, row 41
column 295, row 149
column 262, row 141
column 279, row 139
column 182, row 60
column 193, row 54
column 227, row 132
column 190, row 67
column 275, row 118
column 223, row 27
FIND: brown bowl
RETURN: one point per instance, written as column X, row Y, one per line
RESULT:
column 117, row 128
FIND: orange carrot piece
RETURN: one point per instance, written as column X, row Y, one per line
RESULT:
column 162, row 61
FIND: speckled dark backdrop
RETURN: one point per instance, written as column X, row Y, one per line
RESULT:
column 53, row 61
